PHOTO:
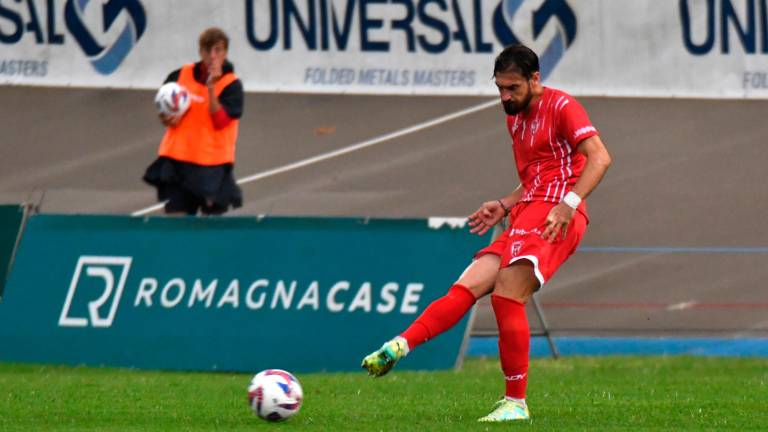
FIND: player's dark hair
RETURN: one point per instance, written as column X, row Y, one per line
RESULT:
column 212, row 36
column 517, row 58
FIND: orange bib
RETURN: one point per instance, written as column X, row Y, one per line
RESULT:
column 194, row 139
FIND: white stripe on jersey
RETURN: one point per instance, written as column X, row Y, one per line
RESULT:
column 562, row 163
column 562, row 167
column 554, row 194
column 554, row 156
column 565, row 159
column 562, row 102
column 537, row 123
column 568, row 167
column 536, row 183
column 546, row 198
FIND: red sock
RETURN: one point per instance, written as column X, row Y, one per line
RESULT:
column 439, row 316
column 514, row 343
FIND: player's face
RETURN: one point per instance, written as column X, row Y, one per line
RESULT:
column 516, row 92
column 214, row 56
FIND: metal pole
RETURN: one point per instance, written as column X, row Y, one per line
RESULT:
column 545, row 328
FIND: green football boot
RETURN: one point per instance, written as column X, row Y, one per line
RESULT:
column 507, row 410
column 379, row 362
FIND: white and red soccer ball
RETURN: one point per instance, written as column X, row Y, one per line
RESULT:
column 275, row 395
column 172, row 99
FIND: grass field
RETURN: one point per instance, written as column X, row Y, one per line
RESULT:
column 606, row 393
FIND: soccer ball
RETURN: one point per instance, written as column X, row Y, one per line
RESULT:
column 172, row 99
column 275, row 395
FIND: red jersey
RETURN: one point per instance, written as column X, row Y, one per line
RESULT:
column 544, row 142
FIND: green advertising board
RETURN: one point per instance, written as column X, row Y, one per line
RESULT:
column 11, row 221
column 235, row 294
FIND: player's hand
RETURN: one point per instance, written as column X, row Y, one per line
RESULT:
column 214, row 73
column 488, row 215
column 557, row 222
column 169, row 120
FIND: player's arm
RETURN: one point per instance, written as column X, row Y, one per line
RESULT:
column 214, row 73
column 598, row 161
column 228, row 106
column 169, row 120
column 510, row 200
column 492, row 212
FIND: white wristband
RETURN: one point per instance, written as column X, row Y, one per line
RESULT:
column 572, row 200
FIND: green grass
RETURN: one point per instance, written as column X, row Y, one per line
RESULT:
column 606, row 393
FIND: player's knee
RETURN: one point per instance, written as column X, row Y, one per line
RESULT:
column 517, row 282
column 461, row 292
column 477, row 290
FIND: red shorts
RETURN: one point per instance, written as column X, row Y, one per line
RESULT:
column 522, row 240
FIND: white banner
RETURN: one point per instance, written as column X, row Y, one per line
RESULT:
column 685, row 48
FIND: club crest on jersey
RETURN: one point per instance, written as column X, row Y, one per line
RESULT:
column 515, row 248
column 534, row 126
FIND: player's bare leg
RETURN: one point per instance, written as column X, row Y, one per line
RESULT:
column 442, row 314
column 480, row 275
column 514, row 287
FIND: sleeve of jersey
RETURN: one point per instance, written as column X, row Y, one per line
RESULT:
column 574, row 124
column 173, row 76
column 231, row 99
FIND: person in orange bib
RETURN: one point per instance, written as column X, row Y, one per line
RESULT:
column 194, row 170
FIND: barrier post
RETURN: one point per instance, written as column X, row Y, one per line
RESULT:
column 12, row 218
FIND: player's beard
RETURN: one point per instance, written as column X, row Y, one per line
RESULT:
column 512, row 108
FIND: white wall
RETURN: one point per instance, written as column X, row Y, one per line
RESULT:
column 588, row 47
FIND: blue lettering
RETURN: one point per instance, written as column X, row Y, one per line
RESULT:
column 709, row 42
column 15, row 19
column 333, row 76
column 53, row 37
column 764, row 25
column 341, row 35
column 26, row 68
column 424, row 25
column 746, row 30
column 307, row 29
column 747, row 36
column 481, row 45
column 436, row 24
column 461, row 33
column 443, row 78
column 367, row 24
column 34, row 23
column 383, row 77
column 405, row 24
column 324, row 25
column 250, row 26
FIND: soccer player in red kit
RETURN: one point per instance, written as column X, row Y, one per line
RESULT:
column 560, row 159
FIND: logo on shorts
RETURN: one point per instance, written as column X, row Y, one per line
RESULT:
column 106, row 58
column 515, row 248
column 504, row 17
column 93, row 298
